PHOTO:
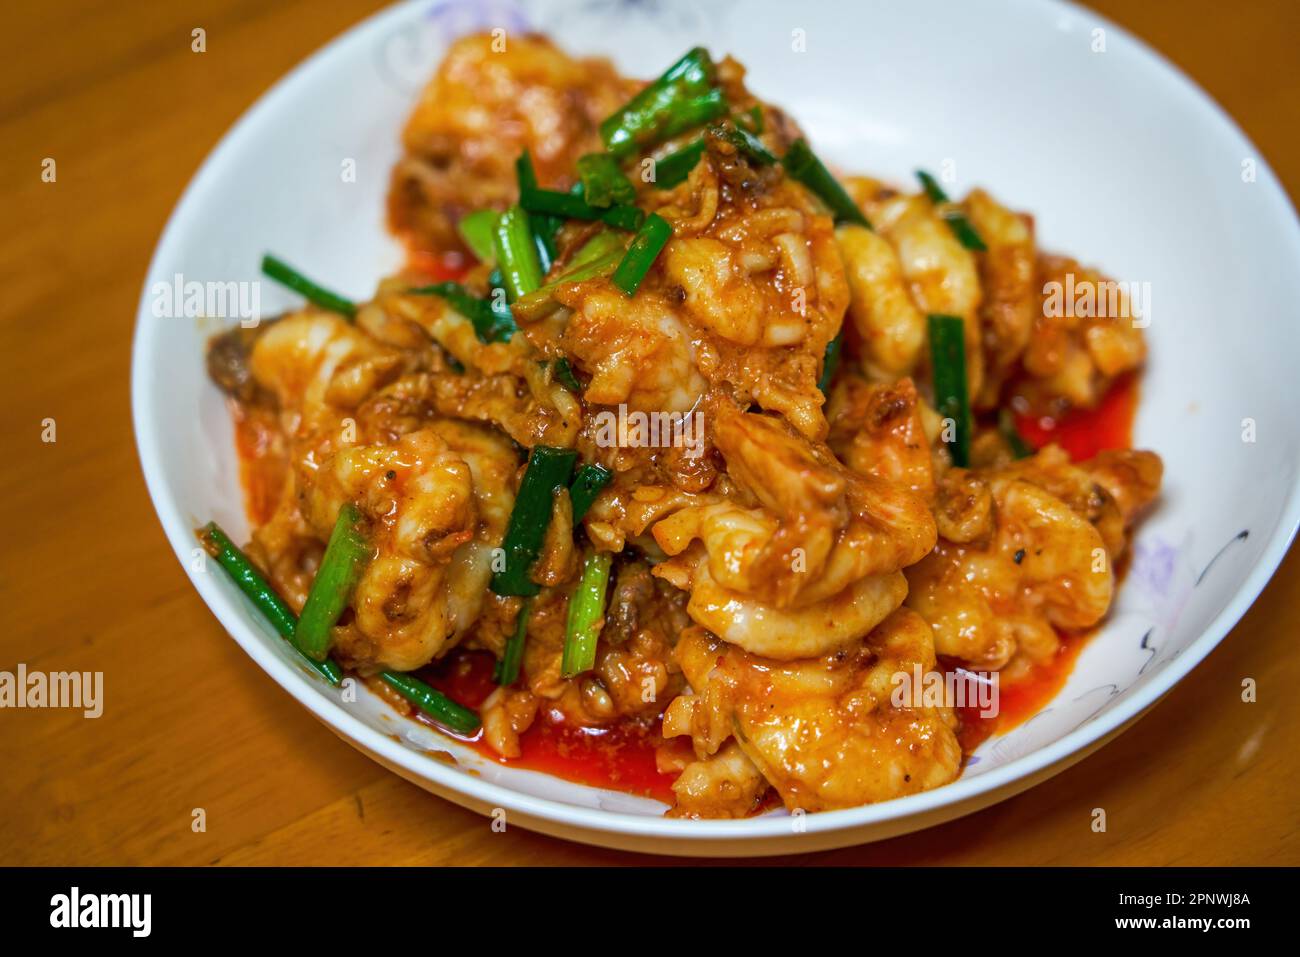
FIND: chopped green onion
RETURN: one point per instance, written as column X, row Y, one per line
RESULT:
column 948, row 372
column 603, row 183
column 544, row 227
column 259, row 591
column 692, row 113
column 1007, row 426
column 961, row 227
column 548, row 469
column 803, row 165
column 490, row 323
column 432, row 702
column 830, row 362
column 283, row 273
column 591, row 478
column 596, row 263
column 751, row 120
column 750, row 146
column 346, row 556
column 675, row 167
column 564, row 373
column 506, row 671
column 552, row 202
column 517, row 253
column 642, row 120
column 476, row 229
column 641, row 253
column 586, row 615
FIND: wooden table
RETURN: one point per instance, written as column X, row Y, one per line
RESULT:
column 113, row 92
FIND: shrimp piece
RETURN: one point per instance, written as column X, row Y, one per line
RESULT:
column 506, row 714
column 817, row 530
column 940, row 272
column 877, row 429
column 722, row 785
column 1007, row 272
column 892, row 329
column 824, row 732
column 637, row 350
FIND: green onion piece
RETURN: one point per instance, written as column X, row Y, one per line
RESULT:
column 506, row 671
column 692, row 113
column 830, row 362
column 544, row 227
column 346, row 556
column 552, row 202
column 517, row 253
column 282, row 272
column 948, row 370
column 641, row 253
column 490, row 323
column 961, row 227
column 750, row 146
column 548, row 469
column 259, row 591
column 603, row 183
column 675, row 167
column 642, row 119
column 564, row 373
column 432, row 702
column 803, row 165
column 586, row 486
column 541, row 303
column 586, row 615
column 1007, row 426
column 476, row 229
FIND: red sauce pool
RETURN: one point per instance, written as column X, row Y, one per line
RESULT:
column 621, row 758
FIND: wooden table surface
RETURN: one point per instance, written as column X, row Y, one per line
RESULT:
column 113, row 92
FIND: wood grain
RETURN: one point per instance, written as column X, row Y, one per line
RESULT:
column 113, row 92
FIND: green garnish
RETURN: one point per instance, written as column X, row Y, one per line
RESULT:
column 564, row 374
column 603, row 183
column 346, row 557
column 591, row 478
column 666, row 103
column 506, row 671
column 432, row 702
column 803, row 165
column 548, row 469
column 948, row 372
column 516, row 250
column 283, row 273
column 641, row 253
column 491, row 324
column 1007, row 426
column 961, row 227
column 476, row 230
column 259, row 591
column 830, row 362
column 675, row 167
column 586, row 615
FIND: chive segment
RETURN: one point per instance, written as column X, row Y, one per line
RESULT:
column 831, row 362
column 491, row 324
column 432, row 702
column 346, row 557
column 477, row 229
column 641, row 253
column 548, row 469
column 259, row 591
column 747, row 144
column 506, row 671
column 516, row 250
column 603, row 183
column 961, row 227
column 563, row 372
column 587, row 484
column 552, row 202
column 675, row 167
column 802, row 164
column 644, row 119
column 285, row 274
column 586, row 615
column 598, row 257
column 948, row 372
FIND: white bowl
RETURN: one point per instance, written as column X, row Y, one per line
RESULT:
column 1125, row 164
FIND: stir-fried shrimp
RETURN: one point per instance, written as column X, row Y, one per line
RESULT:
column 669, row 446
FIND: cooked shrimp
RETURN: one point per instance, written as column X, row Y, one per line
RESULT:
column 824, row 732
column 892, row 328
